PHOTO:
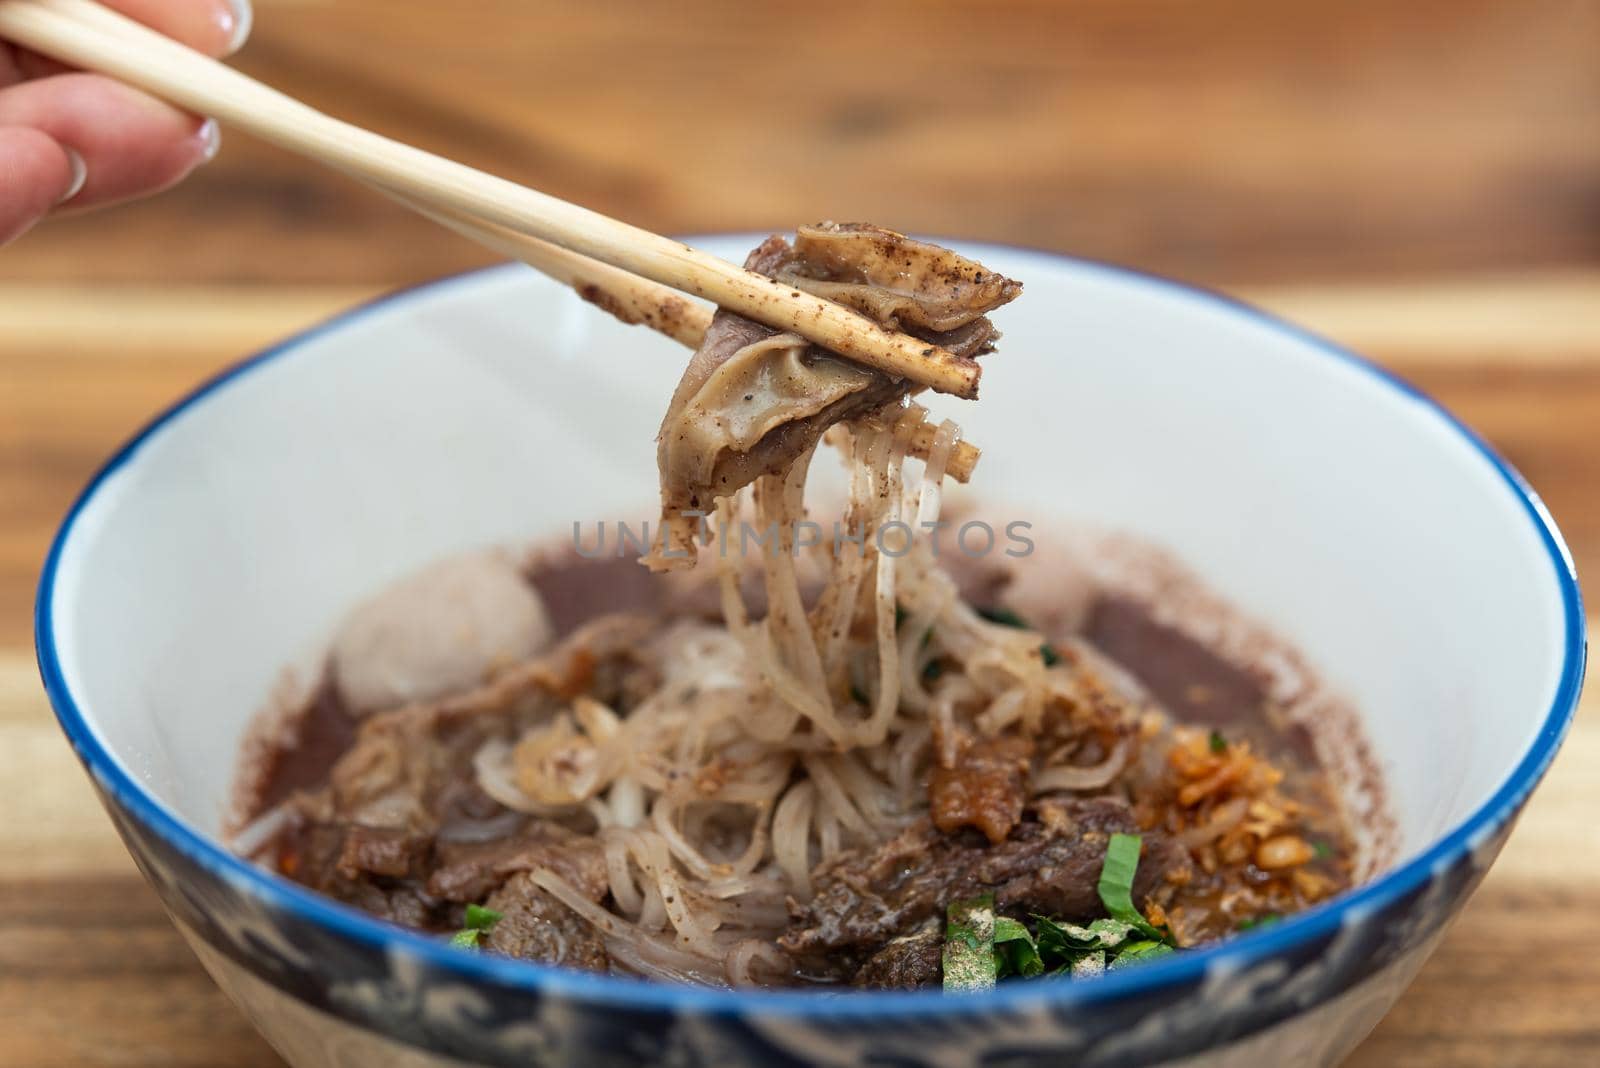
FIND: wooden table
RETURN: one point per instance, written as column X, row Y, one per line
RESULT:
column 1419, row 182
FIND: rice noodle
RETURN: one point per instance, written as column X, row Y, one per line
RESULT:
column 254, row 836
column 776, row 742
column 1095, row 777
column 744, row 956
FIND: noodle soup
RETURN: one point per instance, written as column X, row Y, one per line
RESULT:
column 849, row 760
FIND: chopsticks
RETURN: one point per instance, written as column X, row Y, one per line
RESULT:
column 88, row 35
column 636, row 300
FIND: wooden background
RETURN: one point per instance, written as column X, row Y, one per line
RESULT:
column 1420, row 181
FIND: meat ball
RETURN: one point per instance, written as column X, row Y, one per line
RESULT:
column 443, row 629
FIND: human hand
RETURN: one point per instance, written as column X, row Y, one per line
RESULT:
column 71, row 141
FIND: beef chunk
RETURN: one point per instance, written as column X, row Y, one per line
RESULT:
column 370, row 868
column 985, row 789
column 412, row 878
column 535, row 926
column 909, row 962
column 1050, row 864
column 379, row 851
column 470, row 871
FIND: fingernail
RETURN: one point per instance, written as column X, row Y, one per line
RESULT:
column 80, row 175
column 210, row 137
column 237, row 22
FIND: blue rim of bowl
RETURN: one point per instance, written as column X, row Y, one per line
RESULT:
column 1183, row 969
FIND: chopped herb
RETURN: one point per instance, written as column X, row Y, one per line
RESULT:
column 1051, row 657
column 1067, row 938
column 1116, row 883
column 1253, row 922
column 1014, row 949
column 969, row 953
column 1003, row 616
column 1219, row 744
column 1321, row 849
column 1053, row 938
column 1138, row 953
column 981, row 948
column 1089, row 965
column 479, row 920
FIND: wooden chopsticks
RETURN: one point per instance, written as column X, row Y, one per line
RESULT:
column 631, row 273
column 88, row 35
column 636, row 300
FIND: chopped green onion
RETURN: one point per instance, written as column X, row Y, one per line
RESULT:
column 479, row 920
column 1116, row 883
column 969, row 956
column 1051, row 657
column 1322, row 849
column 1219, row 744
column 1253, row 922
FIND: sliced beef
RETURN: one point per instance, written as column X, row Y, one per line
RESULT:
column 469, row 871
column 374, row 869
column 1050, row 864
column 535, row 926
column 986, row 788
column 899, row 282
column 380, row 851
column 909, row 962
column 753, row 400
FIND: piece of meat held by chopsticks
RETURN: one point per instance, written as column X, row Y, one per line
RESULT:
column 754, row 399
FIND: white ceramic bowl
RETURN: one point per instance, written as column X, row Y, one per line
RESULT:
column 1323, row 496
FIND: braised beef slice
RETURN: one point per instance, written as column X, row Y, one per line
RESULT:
column 753, row 400
column 469, row 871
column 380, row 851
column 535, row 926
column 1050, row 865
column 372, row 869
column 414, row 878
column 908, row 962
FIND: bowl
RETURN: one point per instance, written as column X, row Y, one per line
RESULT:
column 1320, row 494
